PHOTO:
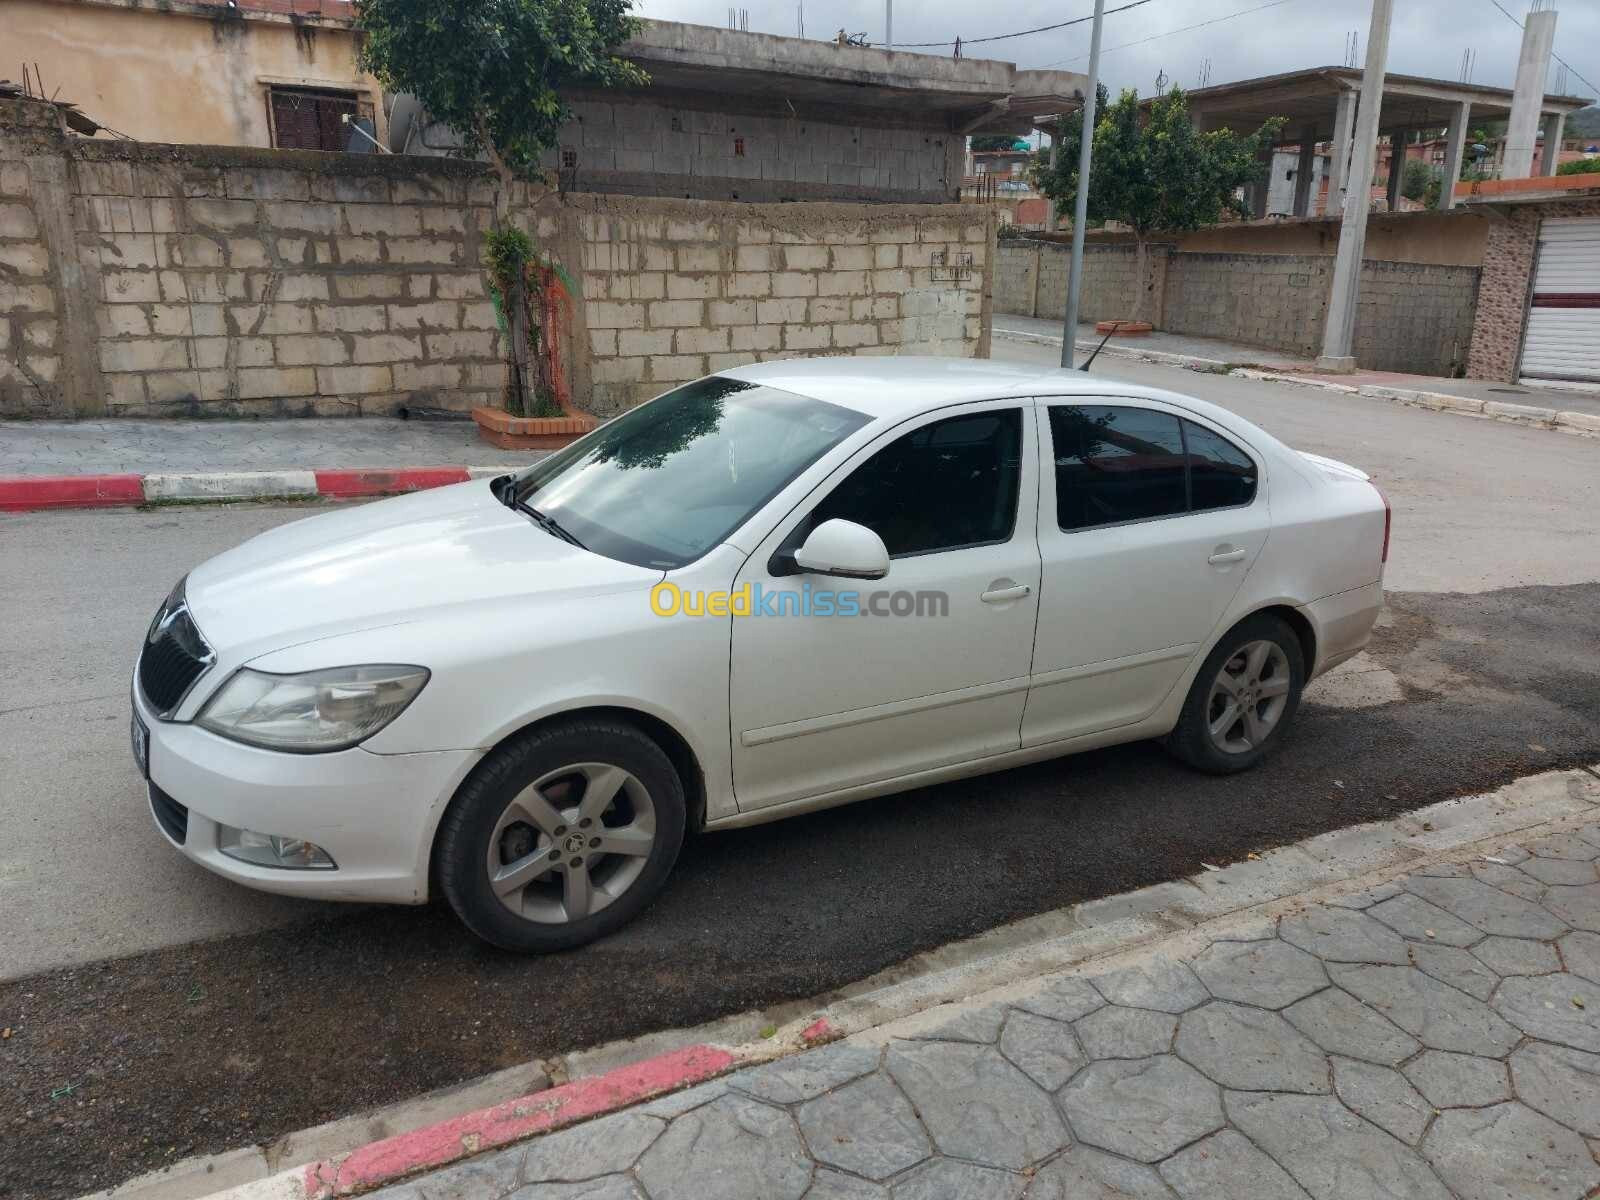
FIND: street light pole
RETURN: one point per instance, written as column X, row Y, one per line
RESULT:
column 1339, row 337
column 1080, row 217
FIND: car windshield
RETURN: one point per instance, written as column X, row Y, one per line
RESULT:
column 661, row 485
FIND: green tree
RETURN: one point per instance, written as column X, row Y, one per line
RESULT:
column 1415, row 178
column 494, row 71
column 1156, row 173
column 997, row 141
column 1580, row 166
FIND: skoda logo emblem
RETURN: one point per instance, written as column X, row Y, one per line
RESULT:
column 575, row 843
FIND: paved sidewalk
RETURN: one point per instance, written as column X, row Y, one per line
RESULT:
column 1435, row 1036
column 1158, row 342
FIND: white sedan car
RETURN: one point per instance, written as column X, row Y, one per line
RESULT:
column 772, row 590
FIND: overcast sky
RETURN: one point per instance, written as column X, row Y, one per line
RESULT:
column 1428, row 36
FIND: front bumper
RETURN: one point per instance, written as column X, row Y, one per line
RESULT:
column 375, row 814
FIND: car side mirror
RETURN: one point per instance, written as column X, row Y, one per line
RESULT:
column 843, row 548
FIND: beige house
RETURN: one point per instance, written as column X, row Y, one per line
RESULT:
column 231, row 72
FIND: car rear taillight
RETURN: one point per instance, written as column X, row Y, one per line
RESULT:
column 1388, row 521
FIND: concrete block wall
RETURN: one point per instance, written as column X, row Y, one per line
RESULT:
column 1275, row 301
column 1031, row 278
column 185, row 280
column 1415, row 317
column 676, row 289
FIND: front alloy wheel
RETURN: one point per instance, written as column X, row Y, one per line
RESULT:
column 562, row 835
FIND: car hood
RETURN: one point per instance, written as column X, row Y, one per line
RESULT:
column 388, row 563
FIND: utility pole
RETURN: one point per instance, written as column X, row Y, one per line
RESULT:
column 1080, row 218
column 1339, row 337
column 888, row 24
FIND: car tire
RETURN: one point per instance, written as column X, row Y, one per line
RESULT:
column 1263, row 697
column 495, row 831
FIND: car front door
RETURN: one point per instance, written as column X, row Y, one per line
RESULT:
column 1149, row 520
column 934, row 669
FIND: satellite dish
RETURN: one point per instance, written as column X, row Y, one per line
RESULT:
column 405, row 118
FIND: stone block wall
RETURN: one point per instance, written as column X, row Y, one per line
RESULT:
column 187, row 280
column 1414, row 317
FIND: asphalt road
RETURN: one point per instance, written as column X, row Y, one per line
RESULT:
column 289, row 1014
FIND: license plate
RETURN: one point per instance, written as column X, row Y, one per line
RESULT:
column 140, row 737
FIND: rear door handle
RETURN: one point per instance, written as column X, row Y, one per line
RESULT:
column 1001, row 595
column 1223, row 557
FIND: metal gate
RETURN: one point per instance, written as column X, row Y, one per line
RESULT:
column 1563, row 336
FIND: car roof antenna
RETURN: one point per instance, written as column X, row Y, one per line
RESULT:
column 1115, row 325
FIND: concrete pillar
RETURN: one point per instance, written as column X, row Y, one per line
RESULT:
column 1397, row 166
column 1527, row 99
column 1344, row 122
column 1554, row 125
column 1305, row 171
column 1455, row 148
column 1339, row 337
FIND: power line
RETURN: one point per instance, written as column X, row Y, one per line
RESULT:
column 1187, row 28
column 1553, row 54
column 1000, row 37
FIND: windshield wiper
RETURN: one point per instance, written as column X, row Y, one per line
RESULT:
column 547, row 523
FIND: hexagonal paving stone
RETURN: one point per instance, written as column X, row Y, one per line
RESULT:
column 1577, row 906
column 1226, row 1167
column 947, row 1179
column 610, row 1187
column 1438, row 1014
column 1339, row 935
column 1413, row 917
column 1560, row 1082
column 1064, row 1000
column 1161, row 984
column 1382, row 1096
column 971, row 1025
column 1250, row 1049
column 1488, row 908
column 976, row 1105
column 1084, row 1173
column 1269, row 973
column 1564, row 845
column 802, row 1076
column 866, row 1127
column 674, row 1104
column 1143, row 1109
column 1457, row 967
column 1117, row 1032
column 1508, row 879
column 1508, row 1152
column 1560, row 870
column 829, row 1184
column 1458, row 1080
column 1542, row 1006
column 1580, row 950
column 729, row 1149
column 1517, row 956
column 1330, row 1151
column 1341, row 1024
column 608, row 1146
column 1043, row 1048
column 495, row 1174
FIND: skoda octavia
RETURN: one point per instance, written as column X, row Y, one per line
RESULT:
column 772, row 590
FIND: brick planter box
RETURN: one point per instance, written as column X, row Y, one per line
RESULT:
column 499, row 428
column 1124, row 328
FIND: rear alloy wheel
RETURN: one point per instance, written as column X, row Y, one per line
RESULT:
column 562, row 836
column 1245, row 693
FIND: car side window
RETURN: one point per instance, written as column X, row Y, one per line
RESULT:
column 943, row 486
column 1116, row 464
column 1220, row 474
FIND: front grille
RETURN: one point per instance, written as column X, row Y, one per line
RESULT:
column 170, row 815
column 174, row 656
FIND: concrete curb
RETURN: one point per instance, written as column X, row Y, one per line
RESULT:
column 1560, row 420
column 608, row 1078
column 30, row 493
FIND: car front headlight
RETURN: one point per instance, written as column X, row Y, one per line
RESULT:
column 313, row 712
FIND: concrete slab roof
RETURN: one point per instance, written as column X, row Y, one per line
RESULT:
column 972, row 94
column 1308, row 100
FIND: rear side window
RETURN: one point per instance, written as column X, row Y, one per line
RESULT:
column 949, row 484
column 1220, row 474
column 1116, row 464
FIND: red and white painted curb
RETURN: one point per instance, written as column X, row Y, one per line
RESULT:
column 28, row 493
column 392, row 1159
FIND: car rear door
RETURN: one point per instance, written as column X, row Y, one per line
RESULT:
column 1149, row 519
column 938, row 674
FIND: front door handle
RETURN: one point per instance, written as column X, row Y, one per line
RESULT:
column 1000, row 595
column 1223, row 557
